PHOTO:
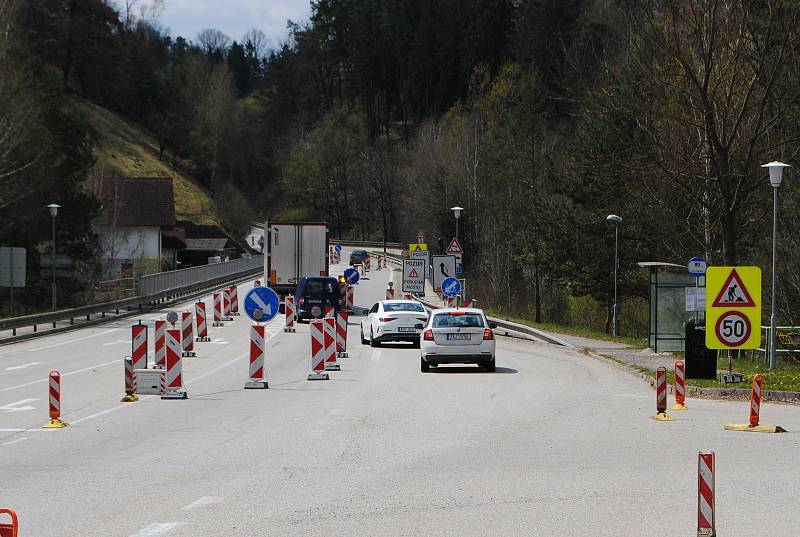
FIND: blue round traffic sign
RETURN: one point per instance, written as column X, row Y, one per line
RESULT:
column 451, row 286
column 338, row 248
column 697, row 266
column 351, row 276
column 264, row 299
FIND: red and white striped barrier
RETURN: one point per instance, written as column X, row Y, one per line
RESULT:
column 317, row 351
column 139, row 346
column 54, row 398
column 329, row 340
column 366, row 264
column 234, row 295
column 9, row 529
column 408, row 296
column 349, row 301
column 187, row 331
column 389, row 293
column 226, row 305
column 257, row 283
column 328, row 311
column 289, row 308
column 661, row 395
column 257, row 379
column 341, row 333
column 680, row 386
column 451, row 301
column 755, row 400
column 342, row 293
column 173, row 388
column 161, row 348
column 378, row 267
column 217, row 310
column 130, row 381
column 470, row 303
column 200, row 319
column 706, row 510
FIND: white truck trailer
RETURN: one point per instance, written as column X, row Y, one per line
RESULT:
column 294, row 250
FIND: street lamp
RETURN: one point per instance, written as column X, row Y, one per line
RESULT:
column 457, row 214
column 775, row 176
column 53, row 212
column 615, row 311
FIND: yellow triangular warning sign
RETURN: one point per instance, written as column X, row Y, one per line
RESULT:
column 418, row 248
column 734, row 293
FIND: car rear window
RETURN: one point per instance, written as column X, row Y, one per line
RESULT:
column 319, row 287
column 468, row 320
column 409, row 306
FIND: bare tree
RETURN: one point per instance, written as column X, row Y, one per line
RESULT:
column 213, row 41
column 256, row 43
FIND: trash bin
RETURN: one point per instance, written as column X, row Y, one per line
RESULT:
column 700, row 361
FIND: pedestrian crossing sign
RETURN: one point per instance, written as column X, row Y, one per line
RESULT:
column 733, row 308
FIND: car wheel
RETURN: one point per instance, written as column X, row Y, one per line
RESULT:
column 363, row 339
column 424, row 366
column 372, row 341
column 491, row 367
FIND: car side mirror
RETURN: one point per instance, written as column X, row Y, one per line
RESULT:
column 492, row 325
column 419, row 326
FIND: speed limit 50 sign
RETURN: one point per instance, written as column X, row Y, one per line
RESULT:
column 733, row 308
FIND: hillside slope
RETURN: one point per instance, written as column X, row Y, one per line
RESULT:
column 127, row 149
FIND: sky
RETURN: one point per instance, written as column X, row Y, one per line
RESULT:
column 233, row 17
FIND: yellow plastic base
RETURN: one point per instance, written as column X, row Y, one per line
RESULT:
column 55, row 424
column 746, row 427
column 663, row 416
column 679, row 406
column 130, row 398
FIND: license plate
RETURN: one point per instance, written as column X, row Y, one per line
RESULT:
column 406, row 329
column 461, row 337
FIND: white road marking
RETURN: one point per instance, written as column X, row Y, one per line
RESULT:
column 219, row 342
column 159, row 528
column 17, row 407
column 54, row 345
column 15, row 441
column 23, row 366
column 98, row 366
column 117, row 342
column 30, row 430
column 203, row 502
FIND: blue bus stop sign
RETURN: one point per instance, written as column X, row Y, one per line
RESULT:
column 338, row 248
column 451, row 286
column 351, row 276
column 697, row 266
column 264, row 299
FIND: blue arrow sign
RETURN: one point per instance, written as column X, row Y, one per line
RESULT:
column 351, row 276
column 451, row 286
column 338, row 248
column 264, row 299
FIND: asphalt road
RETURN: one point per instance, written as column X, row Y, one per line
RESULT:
column 553, row 443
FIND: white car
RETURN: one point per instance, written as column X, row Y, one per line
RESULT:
column 393, row 320
column 457, row 336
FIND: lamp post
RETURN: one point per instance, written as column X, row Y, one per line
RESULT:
column 53, row 212
column 775, row 176
column 615, row 311
column 457, row 214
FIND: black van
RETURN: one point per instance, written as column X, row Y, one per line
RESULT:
column 316, row 291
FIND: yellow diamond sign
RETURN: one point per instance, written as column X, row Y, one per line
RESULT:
column 733, row 307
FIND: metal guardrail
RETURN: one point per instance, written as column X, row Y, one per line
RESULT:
column 232, row 272
column 177, row 279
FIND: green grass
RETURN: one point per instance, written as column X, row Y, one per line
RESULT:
column 126, row 149
column 580, row 331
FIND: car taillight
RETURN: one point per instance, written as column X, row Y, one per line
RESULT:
column 488, row 334
column 428, row 335
column 302, row 300
column 386, row 319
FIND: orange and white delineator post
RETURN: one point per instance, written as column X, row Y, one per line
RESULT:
column 257, row 378
column 234, row 295
column 329, row 340
column 161, row 348
column 200, row 319
column 139, row 345
column 680, row 386
column 289, row 309
column 130, row 382
column 12, row 529
column 754, row 424
column 389, row 293
column 349, row 300
column 226, row 305
column 661, row 395
column 217, row 310
column 317, row 351
column 341, row 333
column 408, row 296
column 706, row 509
column 54, row 399
column 173, row 388
column 366, row 264
column 187, row 333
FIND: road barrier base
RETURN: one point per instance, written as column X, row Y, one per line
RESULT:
column 318, row 376
column 343, row 355
column 679, row 406
column 175, row 394
column 746, row 427
column 189, row 354
column 289, row 330
column 204, row 338
column 332, row 366
column 55, row 424
column 256, row 385
column 663, row 416
column 129, row 398
column 217, row 323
